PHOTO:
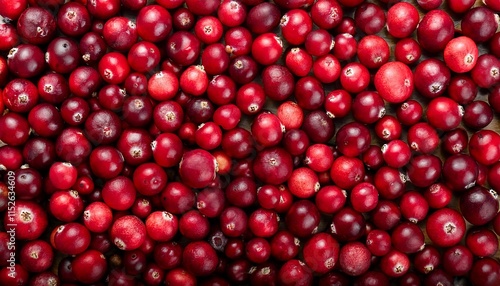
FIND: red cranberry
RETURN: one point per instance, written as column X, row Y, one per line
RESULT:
column 302, row 219
column 263, row 18
column 486, row 72
column 354, row 258
column 346, row 172
column 422, row 138
column 433, row 38
column 484, row 147
column 479, row 205
column 369, row 18
column 482, row 242
column 295, row 272
column 457, row 260
column 445, row 227
column 479, row 23
column 36, row 25
column 26, row 60
column 199, row 258
column 431, row 77
column 444, row 113
column 485, row 271
column 402, row 20
column 395, row 263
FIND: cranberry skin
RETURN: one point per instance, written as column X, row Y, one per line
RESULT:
column 183, row 48
column 354, row 258
column 73, row 19
column 445, row 227
column 407, row 238
column 21, row 276
column 484, row 147
column 414, row 206
column 486, row 72
column 460, row 6
column 485, row 271
column 395, row 263
column 494, row 175
column 424, row 170
column 460, row 54
column 407, row 51
column 302, row 219
column 267, row 49
column 106, row 162
column 319, row 42
column 481, row 242
column 227, row 116
column 143, row 56
column 353, row 139
column 21, row 95
column 273, row 166
column 479, row 23
column 36, row 26
column 9, row 36
column 296, row 142
column 119, row 193
column 232, row 13
column 84, row 81
column 154, row 23
column 396, row 153
column 444, row 113
column 378, row 242
column 410, row 112
column 460, row 172
column 435, row 30
column 39, row 153
column 197, row 168
column 128, row 232
column 295, row 25
column 103, row 127
column 214, row 59
column 318, row 126
column 402, row 20
column 479, row 205
column 388, row 128
column 199, row 258
column 321, row 253
column 241, row 192
column 348, row 225
column 438, row 195
column 373, row 157
column 114, row 68
column 26, row 61
column 15, row 129
column 161, row 225
column 298, row 61
column 97, row 217
column 423, row 138
column 72, row 146
column 71, row 239
column 368, row 107
column 149, row 179
column 477, row 115
column 63, row 55
column 462, row 89
column 369, row 18
column 457, row 260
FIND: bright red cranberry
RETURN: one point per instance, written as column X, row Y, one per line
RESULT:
column 72, row 238
column 9, row 36
column 62, row 55
column 345, row 46
column 128, row 232
column 353, row 139
column 232, row 13
column 354, row 77
column 214, row 59
column 445, row 227
column 373, row 157
column 84, row 81
column 183, row 48
column 402, row 20
column 460, row 54
column 423, row 138
column 378, row 242
column 455, row 141
column 386, row 215
column 368, row 107
column 328, row 248
column 484, row 147
column 348, row 225
column 407, row 51
column 438, row 195
column 486, row 72
column 298, row 61
column 346, row 172
column 395, row 263
column 154, row 23
column 427, row 259
column 410, row 112
column 482, row 242
column 319, row 42
column 295, row 25
column 119, row 193
column 444, row 113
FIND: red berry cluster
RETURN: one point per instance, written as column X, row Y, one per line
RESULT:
column 249, row 142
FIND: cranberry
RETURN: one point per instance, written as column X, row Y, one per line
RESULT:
column 295, row 272
column 263, row 18
column 407, row 51
column 445, row 227
column 485, row 271
column 482, row 242
column 477, row 115
column 402, row 20
column 395, row 263
column 486, row 72
column 369, row 18
column 199, row 258
column 484, row 147
column 354, row 258
column 433, row 38
column 479, row 205
column 36, row 25
column 26, row 60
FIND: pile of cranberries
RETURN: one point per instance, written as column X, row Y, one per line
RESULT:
column 249, row 142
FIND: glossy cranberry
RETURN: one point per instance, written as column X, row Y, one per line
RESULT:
column 433, row 38
column 455, row 141
column 479, row 205
column 232, row 13
column 298, row 61
column 319, row 127
column 149, row 179
column 486, row 72
column 273, row 165
column 39, row 153
column 113, row 68
column 154, row 23
column 73, row 232
column 183, row 48
column 478, row 115
column 302, row 219
column 296, row 142
column 407, row 51
column 103, row 9
column 485, row 271
column 227, row 116
column 278, row 82
column 15, row 129
column 462, row 89
column 16, row 275
column 238, row 143
column 214, row 59
column 386, row 215
column 318, row 42
column 36, row 25
column 445, row 227
column 9, row 36
column 345, row 46
column 326, row 14
column 119, row 187
column 295, row 272
column 263, row 18
column 354, row 77
column 143, row 56
column 484, row 147
column 26, row 60
column 295, row 25
column 20, row 95
column 241, row 192
column 482, row 242
column 479, row 24
column 84, row 81
column 106, row 162
column 395, row 263
column 353, row 139
column 378, row 242
column 250, row 98
column 460, row 172
column 197, row 168
column 410, row 112
column 402, row 20
column 369, row 18
column 423, row 138
column 424, row 170
column 493, row 175
column 347, row 225
column 368, row 107
column 346, row 172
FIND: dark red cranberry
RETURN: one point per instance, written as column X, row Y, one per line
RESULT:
column 36, row 25
column 479, row 205
column 26, row 60
column 14, row 129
